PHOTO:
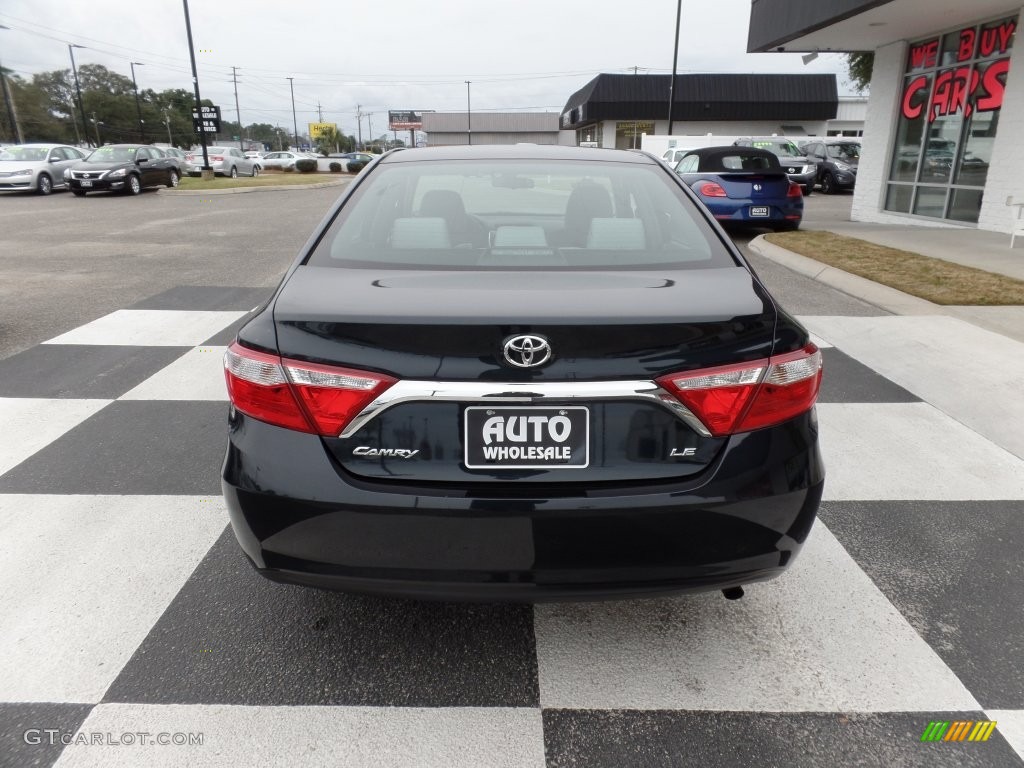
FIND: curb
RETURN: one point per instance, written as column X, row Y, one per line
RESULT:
column 268, row 188
column 881, row 296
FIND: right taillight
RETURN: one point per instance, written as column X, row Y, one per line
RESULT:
column 739, row 398
column 307, row 397
column 712, row 189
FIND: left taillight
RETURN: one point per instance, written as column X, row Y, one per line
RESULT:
column 307, row 397
column 740, row 398
column 794, row 190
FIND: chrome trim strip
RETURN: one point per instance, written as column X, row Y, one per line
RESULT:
column 542, row 392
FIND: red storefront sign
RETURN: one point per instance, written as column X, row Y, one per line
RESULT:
column 963, row 89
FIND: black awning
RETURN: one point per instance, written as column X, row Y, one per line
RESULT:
column 704, row 97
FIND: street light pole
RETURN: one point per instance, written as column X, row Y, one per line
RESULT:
column 207, row 171
column 295, row 123
column 138, row 106
column 238, row 113
column 469, row 113
column 675, row 59
column 78, row 90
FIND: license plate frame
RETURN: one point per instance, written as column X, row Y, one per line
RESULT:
column 760, row 211
column 85, row 182
column 476, row 417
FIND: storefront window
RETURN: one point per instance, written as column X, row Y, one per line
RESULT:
column 949, row 111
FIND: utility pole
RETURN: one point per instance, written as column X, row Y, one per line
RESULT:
column 167, row 120
column 96, row 125
column 238, row 114
column 369, row 125
column 78, row 90
column 469, row 112
column 295, row 123
column 11, row 111
column 138, row 107
column 675, row 60
column 207, row 170
column 359, row 124
column 319, row 111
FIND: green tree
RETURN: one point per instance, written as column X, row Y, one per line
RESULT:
column 859, row 66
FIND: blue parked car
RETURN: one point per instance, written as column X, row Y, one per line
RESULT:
column 743, row 185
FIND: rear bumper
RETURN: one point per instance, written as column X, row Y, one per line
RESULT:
column 302, row 519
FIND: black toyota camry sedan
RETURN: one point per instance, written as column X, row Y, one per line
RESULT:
column 521, row 373
column 122, row 167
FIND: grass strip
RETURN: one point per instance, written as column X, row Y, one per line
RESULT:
column 938, row 281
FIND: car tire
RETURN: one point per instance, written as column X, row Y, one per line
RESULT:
column 828, row 184
column 172, row 182
column 78, row 192
column 45, row 184
column 133, row 184
column 255, row 170
column 808, row 190
column 234, row 172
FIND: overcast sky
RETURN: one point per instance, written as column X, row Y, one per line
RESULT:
column 402, row 54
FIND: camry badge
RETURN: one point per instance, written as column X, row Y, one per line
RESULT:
column 527, row 351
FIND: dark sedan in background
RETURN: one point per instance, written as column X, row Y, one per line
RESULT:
column 743, row 185
column 124, row 168
column 523, row 373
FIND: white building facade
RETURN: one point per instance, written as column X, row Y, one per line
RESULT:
column 946, row 104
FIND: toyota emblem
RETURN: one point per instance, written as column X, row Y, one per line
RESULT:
column 527, row 351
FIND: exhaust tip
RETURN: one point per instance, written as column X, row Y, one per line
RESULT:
column 733, row 593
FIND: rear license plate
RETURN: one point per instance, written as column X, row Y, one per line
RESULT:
column 526, row 437
column 759, row 210
column 85, row 183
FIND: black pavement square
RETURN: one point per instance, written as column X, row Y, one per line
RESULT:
column 23, row 743
column 954, row 570
column 232, row 637
column 847, row 381
column 678, row 739
column 82, row 371
column 132, row 447
column 206, row 297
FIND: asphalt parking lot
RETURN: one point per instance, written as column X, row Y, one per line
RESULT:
column 127, row 607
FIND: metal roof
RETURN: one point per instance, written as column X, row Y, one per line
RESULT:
column 704, row 97
column 491, row 122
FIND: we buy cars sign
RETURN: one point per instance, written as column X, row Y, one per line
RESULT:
column 208, row 121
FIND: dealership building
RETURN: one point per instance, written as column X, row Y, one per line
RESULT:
column 941, row 141
column 615, row 110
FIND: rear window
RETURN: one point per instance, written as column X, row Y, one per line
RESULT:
column 518, row 214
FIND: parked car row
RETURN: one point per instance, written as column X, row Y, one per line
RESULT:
column 829, row 163
column 41, row 168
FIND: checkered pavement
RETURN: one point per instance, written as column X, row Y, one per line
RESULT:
column 126, row 607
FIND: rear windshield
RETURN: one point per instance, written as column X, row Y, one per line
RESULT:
column 520, row 214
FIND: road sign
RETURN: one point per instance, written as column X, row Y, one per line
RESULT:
column 405, row 121
column 316, row 130
column 208, row 121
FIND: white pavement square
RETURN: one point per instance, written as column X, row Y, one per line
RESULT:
column 959, row 368
column 30, row 424
column 354, row 737
column 196, row 375
column 1010, row 723
column 911, row 451
column 84, row 580
column 150, row 328
column 820, row 638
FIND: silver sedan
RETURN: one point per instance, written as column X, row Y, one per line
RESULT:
column 282, row 160
column 36, row 167
column 225, row 161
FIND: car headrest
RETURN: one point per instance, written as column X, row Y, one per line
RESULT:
column 419, row 233
column 617, row 235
